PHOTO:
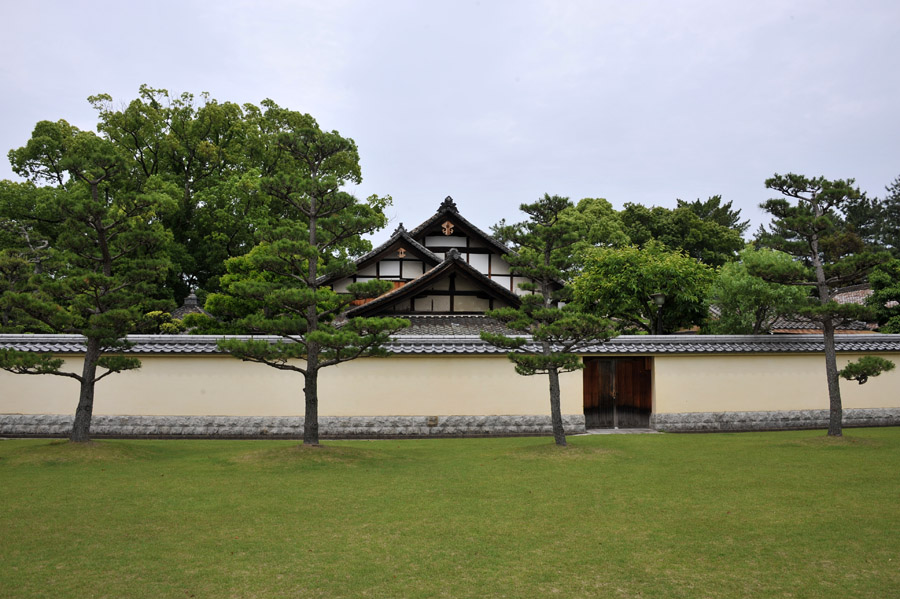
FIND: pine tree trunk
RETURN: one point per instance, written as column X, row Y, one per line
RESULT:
column 81, row 427
column 559, row 433
column 311, row 396
column 835, row 411
column 311, row 389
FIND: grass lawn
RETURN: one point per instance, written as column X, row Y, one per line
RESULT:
column 721, row 515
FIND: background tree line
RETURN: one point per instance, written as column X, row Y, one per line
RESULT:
column 248, row 206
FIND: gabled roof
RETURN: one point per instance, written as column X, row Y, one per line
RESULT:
column 452, row 263
column 400, row 234
column 448, row 210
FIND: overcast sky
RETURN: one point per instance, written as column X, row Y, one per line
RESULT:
column 496, row 103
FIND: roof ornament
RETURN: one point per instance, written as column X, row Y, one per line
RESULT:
column 191, row 300
column 400, row 229
column 449, row 204
column 453, row 254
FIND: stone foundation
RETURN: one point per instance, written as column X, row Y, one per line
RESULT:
column 694, row 422
column 231, row 427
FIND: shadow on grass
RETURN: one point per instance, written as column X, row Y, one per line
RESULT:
column 306, row 454
column 572, row 451
column 845, row 441
column 62, row 451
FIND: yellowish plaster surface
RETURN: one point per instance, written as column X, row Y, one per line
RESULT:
column 439, row 385
column 765, row 382
column 221, row 385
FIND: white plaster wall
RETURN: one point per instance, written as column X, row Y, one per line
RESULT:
column 224, row 386
column 439, row 385
column 758, row 383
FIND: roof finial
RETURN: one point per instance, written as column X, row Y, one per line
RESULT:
column 400, row 229
column 454, row 254
column 448, row 204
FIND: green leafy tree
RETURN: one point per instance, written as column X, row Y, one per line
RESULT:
column 24, row 252
column 277, row 287
column 876, row 221
column 885, row 298
column 604, row 227
column 864, row 216
column 621, row 283
column 810, row 224
column 747, row 304
column 693, row 228
column 215, row 153
column 545, row 248
column 108, row 251
column 157, row 322
column 890, row 219
column 712, row 209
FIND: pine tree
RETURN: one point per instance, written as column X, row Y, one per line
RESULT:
column 810, row 225
column 545, row 252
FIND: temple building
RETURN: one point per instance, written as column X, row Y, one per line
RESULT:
column 445, row 266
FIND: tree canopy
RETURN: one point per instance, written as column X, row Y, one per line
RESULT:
column 885, row 298
column 620, row 283
column 745, row 304
column 877, row 220
column 707, row 231
column 215, row 154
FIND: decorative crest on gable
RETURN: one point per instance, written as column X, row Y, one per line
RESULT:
column 447, row 228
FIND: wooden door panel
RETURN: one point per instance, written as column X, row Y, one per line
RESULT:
column 617, row 392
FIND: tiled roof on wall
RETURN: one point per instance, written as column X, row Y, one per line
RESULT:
column 691, row 344
column 458, row 335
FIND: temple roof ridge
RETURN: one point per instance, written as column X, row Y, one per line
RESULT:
column 448, row 207
column 449, row 204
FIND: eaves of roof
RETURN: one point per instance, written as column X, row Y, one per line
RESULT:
column 472, row 344
column 399, row 233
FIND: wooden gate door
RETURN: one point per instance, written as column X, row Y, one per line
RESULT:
column 617, row 392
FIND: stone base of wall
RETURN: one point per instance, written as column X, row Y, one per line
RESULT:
column 360, row 427
column 694, row 422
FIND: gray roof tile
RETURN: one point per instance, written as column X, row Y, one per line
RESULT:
column 459, row 335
